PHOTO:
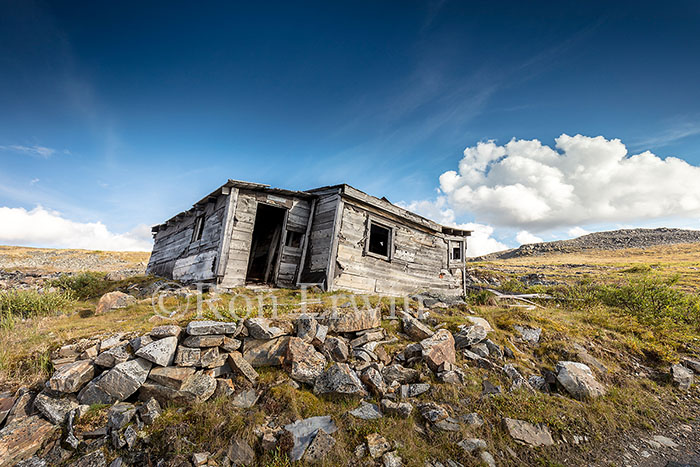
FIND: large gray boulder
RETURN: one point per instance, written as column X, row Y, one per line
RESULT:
column 117, row 384
column 578, row 380
column 339, row 379
column 198, row 388
column 160, row 352
column 303, row 362
column 54, row 409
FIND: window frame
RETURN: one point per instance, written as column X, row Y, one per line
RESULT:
column 451, row 244
column 301, row 238
column 198, row 229
column 390, row 240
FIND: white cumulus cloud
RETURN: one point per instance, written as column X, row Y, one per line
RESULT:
column 44, row 228
column 577, row 231
column 580, row 181
column 524, row 237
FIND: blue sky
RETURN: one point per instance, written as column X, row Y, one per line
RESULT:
column 115, row 116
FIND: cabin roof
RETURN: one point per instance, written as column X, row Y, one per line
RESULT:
column 344, row 190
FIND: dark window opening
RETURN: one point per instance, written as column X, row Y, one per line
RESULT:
column 198, row 228
column 293, row 239
column 379, row 239
column 456, row 249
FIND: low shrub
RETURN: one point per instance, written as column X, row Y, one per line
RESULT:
column 83, row 285
column 20, row 304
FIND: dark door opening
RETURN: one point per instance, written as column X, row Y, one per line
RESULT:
column 264, row 249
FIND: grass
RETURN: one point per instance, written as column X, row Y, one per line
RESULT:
column 16, row 305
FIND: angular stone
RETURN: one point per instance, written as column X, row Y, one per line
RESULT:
column 353, row 321
column 266, row 329
column 187, row 356
column 114, row 356
column 120, row 415
column 22, row 438
column 438, row 349
column 303, row 432
column 367, row 337
column 321, row 333
column 339, row 379
column 306, row 328
column 481, row 362
column 474, row 420
column 448, row 424
column 167, row 330
column 210, row 358
column 160, row 352
column 7, row 400
column 171, row 376
column 93, row 459
column 397, row 409
column 374, row 381
column 200, row 458
column 578, row 380
column 526, row 433
column 366, row 411
column 494, row 350
column 377, row 445
column 682, row 377
column 240, row 365
column 137, row 342
column 391, row 459
column 149, row 411
column 583, row 356
column 240, row 453
column 198, row 388
column 400, row 374
column 245, row 399
column 229, row 344
column 54, row 409
column 72, row 377
column 488, row 388
column 113, row 300
column 337, row 349
column 414, row 390
column 468, row 336
column 265, row 352
column 477, row 321
column 487, row 459
column 472, row 444
column 319, row 447
column 691, row 364
column 90, row 353
column 414, row 328
column 203, row 341
column 481, row 349
column 118, row 383
column 303, row 362
column 528, row 334
column 517, row 380
column 203, row 328
column 433, row 412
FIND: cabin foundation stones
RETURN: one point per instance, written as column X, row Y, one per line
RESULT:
column 348, row 356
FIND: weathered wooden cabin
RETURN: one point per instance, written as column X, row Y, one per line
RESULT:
column 337, row 237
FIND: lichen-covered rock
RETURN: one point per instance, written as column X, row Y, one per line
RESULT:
column 353, row 321
column 400, row 374
column 377, row 445
column 113, row 300
column 214, row 340
column 265, row 329
column 339, row 378
column 54, row 409
column 149, row 411
column 117, row 384
column 72, row 377
column 198, row 388
column 303, row 362
column 265, row 352
column 306, row 328
column 22, row 438
column 171, row 376
column 578, row 380
column 240, row 453
column 114, row 356
column 528, row 334
column 682, row 377
column 477, row 321
column 319, row 447
column 120, row 415
column 526, row 433
column 397, row 409
column 336, row 349
column 303, row 432
column 366, row 411
column 438, row 349
column 414, row 328
column 374, row 381
column 240, row 365
column 167, row 330
column 187, row 356
column 160, row 352
column 469, row 335
column 203, row 328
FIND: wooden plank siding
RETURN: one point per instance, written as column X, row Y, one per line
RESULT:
column 321, row 238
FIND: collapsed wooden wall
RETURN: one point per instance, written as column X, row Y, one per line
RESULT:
column 176, row 256
column 321, row 237
column 418, row 259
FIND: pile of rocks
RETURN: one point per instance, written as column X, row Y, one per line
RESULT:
column 335, row 353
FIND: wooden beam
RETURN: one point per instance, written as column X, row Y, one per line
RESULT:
column 307, row 237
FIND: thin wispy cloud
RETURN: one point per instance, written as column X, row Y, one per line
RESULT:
column 670, row 136
column 34, row 151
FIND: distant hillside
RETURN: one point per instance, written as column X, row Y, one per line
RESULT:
column 611, row 240
column 59, row 260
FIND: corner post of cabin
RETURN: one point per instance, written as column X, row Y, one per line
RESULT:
column 226, row 231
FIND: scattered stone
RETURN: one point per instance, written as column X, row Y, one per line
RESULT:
column 391, row 459
column 517, row 380
column 240, row 452
column 488, row 459
column 527, row 433
column 469, row 336
column 691, row 364
column 414, row 390
column 120, row 415
column 433, row 412
column 528, row 334
column 377, row 445
column 200, row 458
column 367, row 337
column 304, row 363
column 265, row 352
column 481, row 322
column 245, row 399
column 682, row 377
column 336, row 348
column 22, row 438
column 354, row 321
column 578, row 380
column 319, row 447
column 366, row 411
column 72, row 377
column 472, row 444
column 187, row 356
column 203, row 341
column 538, row 383
column 481, row 362
column 481, row 349
column 93, row 459
column 167, row 330
column 488, row 388
column 414, row 328
column 494, row 350
column 240, row 365
column 361, row 451
column 400, row 374
column 160, row 352
column 320, row 338
column 203, row 328
column 449, row 424
column 339, row 379
column 113, row 300
column 303, row 432
column 397, row 409
column 229, row 344
column 263, row 328
column 149, row 411
column 374, row 381
column 54, row 409
column 583, row 355
column 137, row 342
column 474, row 420
column 665, row 441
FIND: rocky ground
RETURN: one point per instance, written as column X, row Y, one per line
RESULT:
column 612, row 240
column 47, row 260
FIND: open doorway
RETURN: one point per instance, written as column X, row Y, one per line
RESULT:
column 264, row 250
